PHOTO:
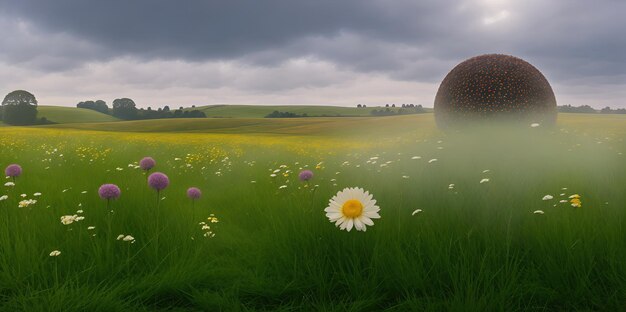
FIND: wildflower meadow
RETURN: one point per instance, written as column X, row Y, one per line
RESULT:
column 401, row 217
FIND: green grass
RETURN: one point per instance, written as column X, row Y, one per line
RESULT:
column 476, row 247
column 329, row 126
column 260, row 111
column 60, row 114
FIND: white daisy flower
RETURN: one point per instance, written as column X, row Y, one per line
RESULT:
column 8, row 184
column 55, row 253
column 352, row 207
column 547, row 197
column 4, row 197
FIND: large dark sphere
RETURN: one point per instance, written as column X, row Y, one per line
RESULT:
column 494, row 85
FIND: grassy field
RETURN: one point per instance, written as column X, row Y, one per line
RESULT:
column 260, row 111
column 329, row 126
column 60, row 114
column 471, row 246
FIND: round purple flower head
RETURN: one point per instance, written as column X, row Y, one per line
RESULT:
column 13, row 171
column 305, row 175
column 147, row 163
column 194, row 193
column 109, row 191
column 158, row 181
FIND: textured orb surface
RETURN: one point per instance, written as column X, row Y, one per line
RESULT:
column 492, row 85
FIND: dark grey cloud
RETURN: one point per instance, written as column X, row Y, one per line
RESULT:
column 571, row 41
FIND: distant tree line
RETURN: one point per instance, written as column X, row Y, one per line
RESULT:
column 586, row 109
column 392, row 105
column 126, row 109
column 277, row 114
column 608, row 110
column 405, row 110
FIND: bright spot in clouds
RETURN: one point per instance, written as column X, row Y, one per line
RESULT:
column 500, row 16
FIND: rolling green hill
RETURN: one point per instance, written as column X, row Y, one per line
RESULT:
column 313, row 126
column 61, row 115
column 325, row 126
column 260, row 111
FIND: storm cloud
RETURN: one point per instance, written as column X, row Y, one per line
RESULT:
column 301, row 52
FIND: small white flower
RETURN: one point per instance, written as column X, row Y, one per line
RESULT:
column 121, row 236
column 128, row 238
column 485, row 180
column 283, row 187
column 562, row 201
column 4, row 197
column 416, row 157
column 9, row 184
column 548, row 197
column 405, row 176
column 55, row 253
column 79, row 211
column 273, row 175
column 91, row 227
column 432, row 160
column 534, row 125
column 416, row 212
column 37, row 194
column 538, row 212
column 486, row 171
column 26, row 203
column 69, row 219
column 23, row 195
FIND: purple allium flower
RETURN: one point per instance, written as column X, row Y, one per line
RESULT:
column 305, row 175
column 147, row 163
column 194, row 193
column 109, row 191
column 13, row 171
column 158, row 181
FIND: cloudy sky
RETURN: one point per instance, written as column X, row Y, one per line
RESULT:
column 331, row 52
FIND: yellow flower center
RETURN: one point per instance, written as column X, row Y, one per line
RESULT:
column 352, row 208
